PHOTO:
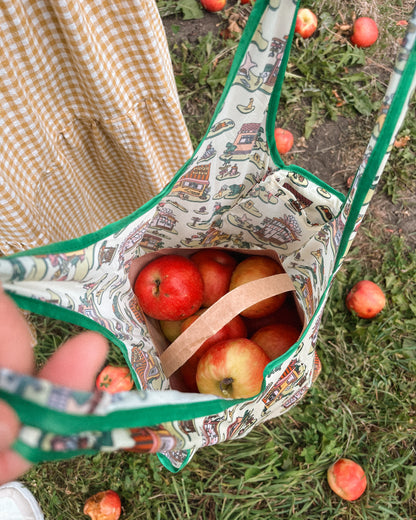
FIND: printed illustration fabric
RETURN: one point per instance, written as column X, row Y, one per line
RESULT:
column 236, row 194
column 91, row 126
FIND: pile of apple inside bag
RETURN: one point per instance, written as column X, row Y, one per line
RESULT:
column 175, row 290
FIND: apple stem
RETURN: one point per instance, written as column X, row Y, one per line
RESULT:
column 226, row 386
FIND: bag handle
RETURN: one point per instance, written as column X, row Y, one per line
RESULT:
column 218, row 315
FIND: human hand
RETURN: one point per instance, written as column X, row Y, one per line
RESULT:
column 75, row 364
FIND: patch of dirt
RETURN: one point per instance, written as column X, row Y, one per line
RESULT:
column 178, row 30
column 332, row 153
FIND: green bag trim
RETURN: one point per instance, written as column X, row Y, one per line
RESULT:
column 35, row 456
column 379, row 151
column 62, row 423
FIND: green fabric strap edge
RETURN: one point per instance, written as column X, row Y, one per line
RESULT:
column 62, row 423
column 379, row 151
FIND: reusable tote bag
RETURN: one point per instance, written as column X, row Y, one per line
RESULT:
column 234, row 193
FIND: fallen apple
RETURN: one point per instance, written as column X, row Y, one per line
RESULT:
column 232, row 369
column 233, row 329
column 216, row 267
column 253, row 268
column 213, row 5
column 105, row 505
column 169, row 288
column 306, row 22
column 347, row 479
column 364, row 32
column 114, row 379
column 284, row 140
column 366, row 299
column 276, row 339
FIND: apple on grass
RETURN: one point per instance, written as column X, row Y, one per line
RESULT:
column 169, row 288
column 216, row 267
column 253, row 268
column 276, row 339
column 235, row 328
column 364, row 32
column 284, row 140
column 347, row 479
column 114, row 379
column 366, row 299
column 306, row 22
column 232, row 369
column 105, row 505
column 213, row 5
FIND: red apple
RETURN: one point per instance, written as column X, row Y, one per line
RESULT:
column 171, row 329
column 216, row 267
column 366, row 299
column 105, row 505
column 113, row 379
column 347, row 479
column 364, row 32
column 233, row 329
column 284, row 140
column 306, row 22
column 213, row 5
column 253, row 268
column 287, row 314
column 169, row 288
column 232, row 368
column 276, row 339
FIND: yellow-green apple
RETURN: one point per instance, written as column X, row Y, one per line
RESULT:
column 114, row 379
column 216, row 267
column 171, row 329
column 284, row 140
column 169, row 288
column 232, row 368
column 276, row 339
column 364, row 32
column 253, row 268
column 306, row 22
column 233, row 329
column 366, row 299
column 347, row 479
column 213, row 5
column 105, row 505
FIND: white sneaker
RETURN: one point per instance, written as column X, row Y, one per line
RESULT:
column 18, row 503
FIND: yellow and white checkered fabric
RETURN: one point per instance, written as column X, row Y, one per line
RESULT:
column 90, row 120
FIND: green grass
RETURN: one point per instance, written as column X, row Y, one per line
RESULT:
column 363, row 404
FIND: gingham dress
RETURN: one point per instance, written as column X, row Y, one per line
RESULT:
column 90, row 121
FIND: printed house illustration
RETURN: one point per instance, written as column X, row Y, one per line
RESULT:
column 164, row 219
column 246, row 138
column 271, row 70
column 279, row 230
column 195, row 183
